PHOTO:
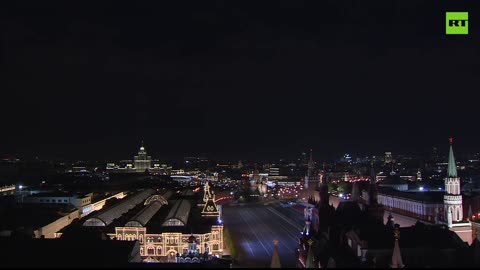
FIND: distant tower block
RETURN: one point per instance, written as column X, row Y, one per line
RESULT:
column 311, row 175
column 388, row 157
column 142, row 162
column 419, row 175
column 311, row 166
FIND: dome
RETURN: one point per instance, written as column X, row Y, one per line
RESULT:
column 142, row 148
column 192, row 239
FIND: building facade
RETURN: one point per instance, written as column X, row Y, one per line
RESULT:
column 142, row 161
column 164, row 247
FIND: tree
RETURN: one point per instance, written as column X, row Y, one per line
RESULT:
column 345, row 187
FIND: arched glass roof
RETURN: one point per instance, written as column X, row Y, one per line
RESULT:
column 114, row 212
column 178, row 215
column 144, row 215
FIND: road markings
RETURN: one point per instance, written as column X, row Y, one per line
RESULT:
column 284, row 218
column 253, row 231
column 275, row 236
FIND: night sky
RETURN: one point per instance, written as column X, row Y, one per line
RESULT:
column 236, row 79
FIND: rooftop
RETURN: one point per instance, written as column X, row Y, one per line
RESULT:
column 420, row 196
column 195, row 222
column 58, row 194
column 106, row 216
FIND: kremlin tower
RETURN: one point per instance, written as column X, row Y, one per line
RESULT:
column 453, row 202
column 453, row 197
column 310, row 176
column 374, row 209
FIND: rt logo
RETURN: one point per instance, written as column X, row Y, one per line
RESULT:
column 457, row 23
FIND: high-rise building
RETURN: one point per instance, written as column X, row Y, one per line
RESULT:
column 273, row 171
column 311, row 166
column 191, row 163
column 388, row 157
column 142, row 162
column 434, row 156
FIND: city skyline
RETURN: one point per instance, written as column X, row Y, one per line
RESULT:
column 318, row 156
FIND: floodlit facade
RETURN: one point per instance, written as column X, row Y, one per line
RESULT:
column 6, row 190
column 431, row 206
column 176, row 231
column 165, row 246
column 142, row 163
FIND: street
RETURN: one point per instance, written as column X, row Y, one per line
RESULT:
column 253, row 229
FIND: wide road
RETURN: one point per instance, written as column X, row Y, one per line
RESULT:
column 253, row 229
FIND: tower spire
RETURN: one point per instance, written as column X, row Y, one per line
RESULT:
column 397, row 255
column 311, row 165
column 310, row 260
column 372, row 192
column 275, row 257
column 452, row 166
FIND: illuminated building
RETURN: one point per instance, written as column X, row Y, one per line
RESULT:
column 77, row 200
column 274, row 171
column 453, row 201
column 430, row 206
column 142, row 162
column 352, row 236
column 173, row 228
column 193, row 163
column 419, row 175
column 106, row 216
column 388, row 157
column 409, row 178
column 6, row 190
column 453, row 196
column 311, row 175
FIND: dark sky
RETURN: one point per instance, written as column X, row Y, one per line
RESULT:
column 235, row 79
